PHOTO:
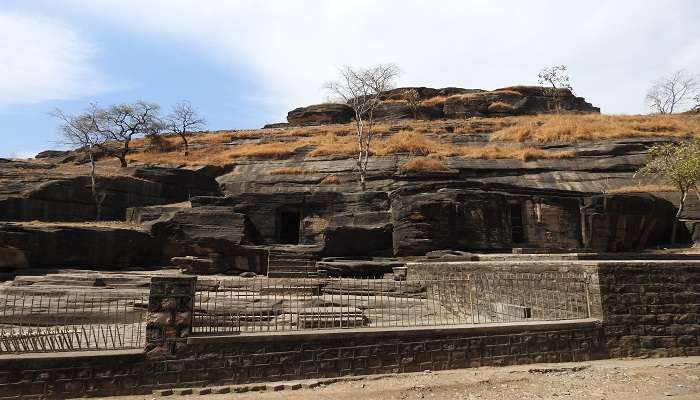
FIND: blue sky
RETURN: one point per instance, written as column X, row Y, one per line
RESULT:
column 246, row 63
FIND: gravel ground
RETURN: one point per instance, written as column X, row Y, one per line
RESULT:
column 636, row 379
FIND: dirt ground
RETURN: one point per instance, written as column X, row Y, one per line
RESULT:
column 639, row 379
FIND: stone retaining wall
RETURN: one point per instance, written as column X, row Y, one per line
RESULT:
column 651, row 308
column 640, row 308
column 208, row 361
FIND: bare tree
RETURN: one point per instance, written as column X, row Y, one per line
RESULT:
column 81, row 131
column 556, row 80
column 183, row 121
column 119, row 124
column 361, row 89
column 671, row 92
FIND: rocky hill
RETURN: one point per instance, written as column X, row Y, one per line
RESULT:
column 434, row 183
column 429, row 104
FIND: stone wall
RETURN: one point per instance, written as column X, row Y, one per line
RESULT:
column 651, row 308
column 648, row 309
column 208, row 361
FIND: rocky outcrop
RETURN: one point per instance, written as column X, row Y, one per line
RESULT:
column 425, row 220
column 42, row 196
column 517, row 100
column 451, row 103
column 216, row 233
column 76, row 246
column 328, row 113
column 628, row 222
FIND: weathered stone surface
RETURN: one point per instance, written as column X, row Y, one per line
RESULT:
column 375, row 267
column 461, row 219
column 516, row 100
column 450, row 103
column 94, row 247
column 37, row 194
column 218, row 233
column 627, row 222
column 328, row 113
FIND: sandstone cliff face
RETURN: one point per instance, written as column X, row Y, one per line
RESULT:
column 38, row 194
column 451, row 103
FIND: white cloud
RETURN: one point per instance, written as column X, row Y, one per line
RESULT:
column 290, row 48
column 42, row 59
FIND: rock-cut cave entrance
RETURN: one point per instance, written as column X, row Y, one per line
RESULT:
column 289, row 224
column 516, row 223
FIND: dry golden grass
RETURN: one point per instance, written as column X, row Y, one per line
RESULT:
column 499, row 106
column 332, row 145
column 264, row 150
column 424, row 164
column 645, row 188
column 329, row 140
column 571, row 128
column 289, row 171
column 527, row 153
column 407, row 142
column 330, row 180
column 434, row 101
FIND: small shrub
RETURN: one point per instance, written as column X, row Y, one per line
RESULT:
column 424, row 164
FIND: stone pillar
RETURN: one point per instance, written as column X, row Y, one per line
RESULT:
column 170, row 311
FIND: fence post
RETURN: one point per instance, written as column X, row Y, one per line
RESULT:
column 170, row 312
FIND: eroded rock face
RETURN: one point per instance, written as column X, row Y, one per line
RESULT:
column 329, row 113
column 627, row 222
column 451, row 103
column 41, row 196
column 215, row 233
column 460, row 219
column 56, row 246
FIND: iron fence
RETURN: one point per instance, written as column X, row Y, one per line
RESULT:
column 276, row 304
column 32, row 321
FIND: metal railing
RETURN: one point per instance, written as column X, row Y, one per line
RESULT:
column 32, row 321
column 270, row 304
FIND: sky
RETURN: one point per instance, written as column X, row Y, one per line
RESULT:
column 243, row 64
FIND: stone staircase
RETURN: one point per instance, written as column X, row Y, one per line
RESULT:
column 291, row 262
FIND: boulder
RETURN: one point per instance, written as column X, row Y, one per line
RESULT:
column 328, row 113
column 52, row 154
column 215, row 233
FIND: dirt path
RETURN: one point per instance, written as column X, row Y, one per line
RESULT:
column 644, row 379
